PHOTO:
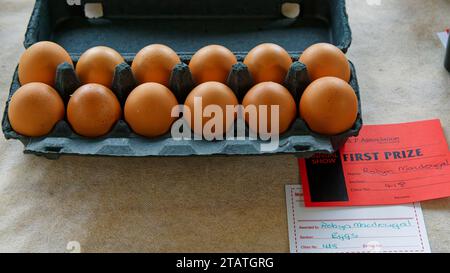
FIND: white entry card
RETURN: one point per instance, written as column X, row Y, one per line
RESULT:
column 390, row 229
column 443, row 37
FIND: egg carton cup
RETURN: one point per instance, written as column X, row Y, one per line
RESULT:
column 122, row 141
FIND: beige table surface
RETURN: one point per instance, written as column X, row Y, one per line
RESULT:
column 214, row 203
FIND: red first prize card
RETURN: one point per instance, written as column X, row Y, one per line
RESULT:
column 384, row 165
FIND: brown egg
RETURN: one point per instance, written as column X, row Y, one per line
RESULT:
column 39, row 62
column 270, row 93
column 148, row 109
column 323, row 60
column 93, row 109
column 212, row 93
column 34, row 109
column 212, row 63
column 268, row 62
column 154, row 63
column 97, row 65
column 329, row 106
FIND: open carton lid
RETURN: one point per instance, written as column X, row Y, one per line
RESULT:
column 186, row 26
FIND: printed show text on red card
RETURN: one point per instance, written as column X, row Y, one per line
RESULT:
column 392, row 164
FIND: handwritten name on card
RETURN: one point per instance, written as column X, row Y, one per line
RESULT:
column 354, row 229
column 384, row 165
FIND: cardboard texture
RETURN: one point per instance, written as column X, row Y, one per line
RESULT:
column 186, row 27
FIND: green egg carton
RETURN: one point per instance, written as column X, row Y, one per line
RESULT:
column 185, row 26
